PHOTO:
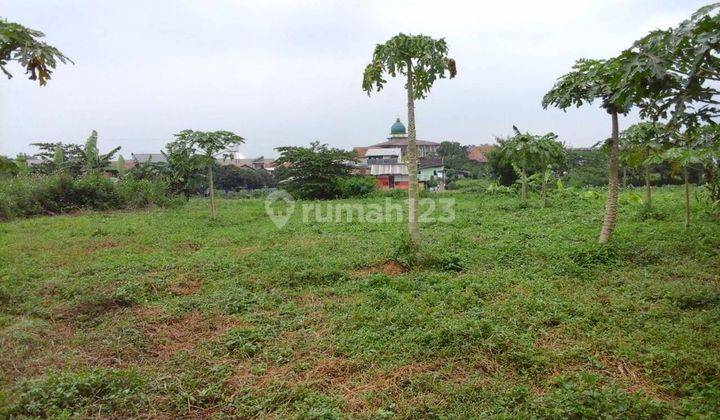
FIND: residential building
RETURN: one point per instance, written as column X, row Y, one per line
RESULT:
column 399, row 139
column 250, row 163
column 386, row 161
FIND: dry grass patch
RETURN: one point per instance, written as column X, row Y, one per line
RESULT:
column 389, row 268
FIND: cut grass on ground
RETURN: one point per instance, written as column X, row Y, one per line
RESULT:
column 511, row 312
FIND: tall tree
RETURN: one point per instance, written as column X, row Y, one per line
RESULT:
column 422, row 60
column 73, row 159
column 314, row 172
column 183, row 169
column 588, row 81
column 23, row 45
column 212, row 144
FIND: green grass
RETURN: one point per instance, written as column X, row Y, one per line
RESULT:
column 511, row 312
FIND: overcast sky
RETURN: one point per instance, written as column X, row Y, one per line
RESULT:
column 289, row 72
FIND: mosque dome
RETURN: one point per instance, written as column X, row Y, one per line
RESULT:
column 398, row 129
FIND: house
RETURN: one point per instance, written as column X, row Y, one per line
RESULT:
column 431, row 169
column 479, row 154
column 387, row 166
column 386, row 161
column 399, row 139
column 250, row 163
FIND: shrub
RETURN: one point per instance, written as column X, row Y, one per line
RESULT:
column 58, row 193
column 139, row 193
column 95, row 192
column 357, row 186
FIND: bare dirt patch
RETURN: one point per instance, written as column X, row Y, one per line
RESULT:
column 187, row 284
column 108, row 243
column 93, row 308
column 189, row 245
column 389, row 268
column 168, row 336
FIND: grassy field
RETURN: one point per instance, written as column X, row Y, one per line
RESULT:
column 511, row 312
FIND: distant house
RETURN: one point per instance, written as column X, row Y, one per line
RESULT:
column 432, row 169
column 250, row 163
column 386, row 161
column 391, row 176
column 479, row 154
column 387, row 166
column 140, row 158
column 399, row 139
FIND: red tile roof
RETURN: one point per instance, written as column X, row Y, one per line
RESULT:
column 479, row 153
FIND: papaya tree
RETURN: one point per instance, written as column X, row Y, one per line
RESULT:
column 678, row 70
column 421, row 60
column 526, row 152
column 691, row 147
column 592, row 80
column 638, row 144
column 23, row 45
column 212, row 144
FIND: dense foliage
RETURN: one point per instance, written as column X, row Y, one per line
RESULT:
column 32, row 195
column 456, row 161
column 315, row 172
column 206, row 147
column 232, row 178
column 525, row 152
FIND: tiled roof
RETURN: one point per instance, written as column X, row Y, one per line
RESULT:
column 479, row 153
column 360, row 151
column 430, row 163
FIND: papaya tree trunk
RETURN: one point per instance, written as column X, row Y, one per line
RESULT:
column 611, row 203
column 523, row 187
column 687, row 197
column 413, row 228
column 648, row 188
column 213, row 209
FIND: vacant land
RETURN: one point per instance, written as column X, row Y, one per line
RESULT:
column 511, row 312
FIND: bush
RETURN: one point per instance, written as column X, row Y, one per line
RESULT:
column 59, row 193
column 140, row 193
column 96, row 192
column 357, row 186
